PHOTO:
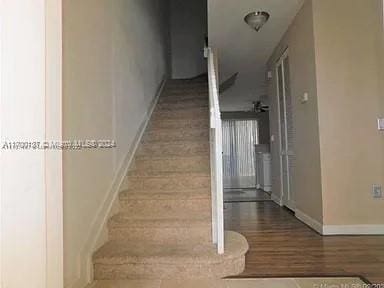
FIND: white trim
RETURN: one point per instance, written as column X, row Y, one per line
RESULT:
column 53, row 159
column 216, row 157
column 286, row 192
column 95, row 236
column 1, row 137
column 279, row 116
column 353, row 229
column 277, row 199
column 31, row 232
column 291, row 205
column 382, row 14
column 305, row 218
column 333, row 230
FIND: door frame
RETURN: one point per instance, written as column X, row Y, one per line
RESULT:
column 289, row 203
column 31, row 192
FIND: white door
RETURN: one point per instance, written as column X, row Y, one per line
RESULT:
column 286, row 130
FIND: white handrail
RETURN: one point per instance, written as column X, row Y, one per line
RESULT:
column 216, row 153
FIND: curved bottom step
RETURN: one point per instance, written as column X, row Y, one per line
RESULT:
column 119, row 260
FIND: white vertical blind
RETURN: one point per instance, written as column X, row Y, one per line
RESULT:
column 239, row 140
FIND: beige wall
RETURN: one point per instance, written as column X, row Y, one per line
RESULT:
column 114, row 61
column 348, row 54
column 306, row 177
column 339, row 151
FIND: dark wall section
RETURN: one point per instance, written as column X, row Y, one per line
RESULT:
column 188, row 29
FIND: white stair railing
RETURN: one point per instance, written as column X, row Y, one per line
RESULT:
column 216, row 143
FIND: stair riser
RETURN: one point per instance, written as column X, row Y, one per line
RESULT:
column 184, row 271
column 179, row 135
column 179, row 124
column 163, row 235
column 166, row 208
column 196, row 164
column 188, row 149
column 177, row 183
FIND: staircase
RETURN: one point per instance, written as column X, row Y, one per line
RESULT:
column 163, row 229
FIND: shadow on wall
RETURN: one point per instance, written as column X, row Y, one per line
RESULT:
column 188, row 29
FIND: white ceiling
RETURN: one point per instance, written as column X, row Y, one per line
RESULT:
column 244, row 50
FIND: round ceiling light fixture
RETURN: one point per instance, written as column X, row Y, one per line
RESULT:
column 256, row 20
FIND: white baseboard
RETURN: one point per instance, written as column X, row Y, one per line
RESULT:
column 277, row 199
column 314, row 224
column 329, row 230
column 353, row 229
column 96, row 236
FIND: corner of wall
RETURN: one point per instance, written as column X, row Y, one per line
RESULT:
column 309, row 221
column 98, row 233
column 277, row 199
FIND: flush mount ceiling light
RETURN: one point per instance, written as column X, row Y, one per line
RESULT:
column 256, row 20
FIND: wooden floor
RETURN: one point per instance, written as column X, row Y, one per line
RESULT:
column 282, row 246
column 245, row 195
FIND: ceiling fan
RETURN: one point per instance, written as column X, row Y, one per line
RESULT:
column 259, row 107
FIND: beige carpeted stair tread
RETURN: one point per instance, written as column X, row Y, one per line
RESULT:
column 157, row 161
column 183, row 114
column 169, row 135
column 163, row 194
column 182, row 105
column 175, row 135
column 167, row 174
column 121, row 252
column 167, row 181
column 178, row 144
column 168, row 107
column 123, row 220
column 172, row 164
column 179, row 124
column 179, row 148
column 181, row 110
column 163, row 228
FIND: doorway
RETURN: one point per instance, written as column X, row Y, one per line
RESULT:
column 286, row 130
column 239, row 140
column 240, row 144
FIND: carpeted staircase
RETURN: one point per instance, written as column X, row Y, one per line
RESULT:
column 163, row 229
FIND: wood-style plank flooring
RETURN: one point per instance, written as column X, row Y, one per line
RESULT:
column 245, row 195
column 282, row 246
